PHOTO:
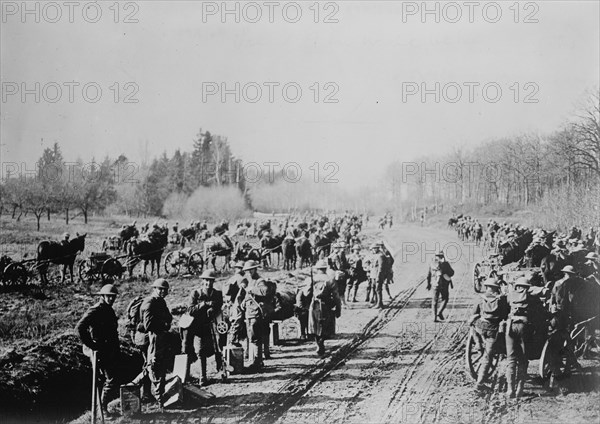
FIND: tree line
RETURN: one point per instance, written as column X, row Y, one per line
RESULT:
column 557, row 174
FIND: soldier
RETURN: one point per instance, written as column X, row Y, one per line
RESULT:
column 439, row 277
column 388, row 269
column 98, row 332
column 204, row 306
column 156, row 321
column 492, row 311
column 339, row 264
column 65, row 239
column 257, row 310
column 518, row 336
column 234, row 296
column 356, row 273
column 325, row 305
column 376, row 276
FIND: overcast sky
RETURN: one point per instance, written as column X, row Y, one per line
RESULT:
column 370, row 58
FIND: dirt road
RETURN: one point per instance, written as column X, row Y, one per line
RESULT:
column 394, row 365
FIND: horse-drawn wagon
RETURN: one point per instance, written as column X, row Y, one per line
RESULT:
column 15, row 273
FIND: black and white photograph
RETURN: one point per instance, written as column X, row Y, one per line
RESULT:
column 300, row 212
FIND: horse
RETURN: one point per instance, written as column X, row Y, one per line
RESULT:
column 323, row 244
column 304, row 251
column 272, row 245
column 534, row 255
column 57, row 253
column 147, row 250
column 218, row 246
column 288, row 247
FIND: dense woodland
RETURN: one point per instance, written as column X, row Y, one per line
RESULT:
column 555, row 175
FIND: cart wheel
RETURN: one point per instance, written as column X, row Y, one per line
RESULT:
column 554, row 356
column 172, row 264
column 477, row 278
column 84, row 271
column 222, row 327
column 111, row 268
column 15, row 274
column 474, row 355
column 195, row 263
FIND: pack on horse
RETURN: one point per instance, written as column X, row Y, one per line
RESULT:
column 62, row 254
column 514, row 250
column 323, row 244
column 218, row 245
column 127, row 233
column 147, row 250
column 272, row 245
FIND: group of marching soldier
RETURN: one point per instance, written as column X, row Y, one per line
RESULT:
column 251, row 301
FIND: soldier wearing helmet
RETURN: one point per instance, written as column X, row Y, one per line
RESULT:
column 234, row 293
column 376, row 275
column 65, row 239
column 156, row 322
column 325, row 305
column 204, row 305
column 98, row 332
column 338, row 263
column 258, row 307
column 488, row 317
column 519, row 330
column 439, row 277
column 357, row 273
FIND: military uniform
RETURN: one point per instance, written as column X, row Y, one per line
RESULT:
column 491, row 310
column 337, row 262
column 203, row 307
column 156, row 320
column 98, row 331
column 324, row 308
column 235, row 294
column 519, row 332
column 356, row 275
column 439, row 278
column 376, row 278
column 258, row 309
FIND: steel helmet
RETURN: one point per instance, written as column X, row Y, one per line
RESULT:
column 250, row 265
column 108, row 290
column 569, row 269
column 161, row 283
column 523, row 281
column 208, row 275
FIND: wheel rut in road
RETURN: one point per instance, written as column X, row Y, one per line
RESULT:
column 298, row 386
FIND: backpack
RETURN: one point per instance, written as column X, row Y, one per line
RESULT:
column 133, row 313
column 490, row 308
column 519, row 303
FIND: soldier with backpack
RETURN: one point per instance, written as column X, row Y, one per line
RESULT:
column 98, row 332
column 204, row 305
column 488, row 316
column 325, row 305
column 156, row 321
column 388, row 268
column 439, row 277
column 519, row 332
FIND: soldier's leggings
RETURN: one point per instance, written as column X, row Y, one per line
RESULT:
column 489, row 340
column 518, row 336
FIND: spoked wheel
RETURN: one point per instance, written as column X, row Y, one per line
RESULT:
column 556, row 357
column 15, row 274
column 477, row 278
column 474, row 350
column 172, row 264
column 84, row 271
column 111, row 268
column 195, row 263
